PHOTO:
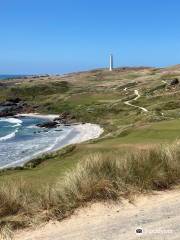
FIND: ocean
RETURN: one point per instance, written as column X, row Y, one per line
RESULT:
column 4, row 77
column 21, row 140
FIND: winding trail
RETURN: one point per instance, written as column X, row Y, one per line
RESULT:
column 134, row 99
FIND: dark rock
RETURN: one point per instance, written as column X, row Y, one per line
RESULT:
column 13, row 106
column 48, row 124
column 14, row 100
column 65, row 118
column 7, row 112
column 36, row 106
column 7, row 104
column 174, row 82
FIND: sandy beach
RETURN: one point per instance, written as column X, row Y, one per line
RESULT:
column 84, row 132
column 41, row 141
column 78, row 134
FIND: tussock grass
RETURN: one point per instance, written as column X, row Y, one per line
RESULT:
column 108, row 176
column 6, row 233
column 98, row 178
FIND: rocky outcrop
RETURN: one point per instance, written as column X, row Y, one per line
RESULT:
column 14, row 100
column 7, row 112
column 64, row 118
column 14, row 106
column 50, row 124
column 174, row 82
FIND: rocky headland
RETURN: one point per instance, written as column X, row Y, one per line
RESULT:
column 14, row 106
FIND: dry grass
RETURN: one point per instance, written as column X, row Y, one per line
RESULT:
column 100, row 177
column 6, row 233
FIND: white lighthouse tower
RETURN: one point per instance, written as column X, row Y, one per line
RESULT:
column 111, row 63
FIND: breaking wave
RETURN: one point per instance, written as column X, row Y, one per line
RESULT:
column 15, row 121
column 9, row 136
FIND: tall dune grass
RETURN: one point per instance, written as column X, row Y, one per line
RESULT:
column 100, row 177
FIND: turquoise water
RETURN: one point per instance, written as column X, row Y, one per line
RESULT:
column 21, row 140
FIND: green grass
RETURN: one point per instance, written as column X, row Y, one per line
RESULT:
column 99, row 176
column 96, row 97
column 54, row 166
column 160, row 132
column 49, row 168
column 32, row 91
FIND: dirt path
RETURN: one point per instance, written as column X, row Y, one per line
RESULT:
column 158, row 215
column 137, row 97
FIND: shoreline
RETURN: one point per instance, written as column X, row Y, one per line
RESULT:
column 37, row 115
column 78, row 133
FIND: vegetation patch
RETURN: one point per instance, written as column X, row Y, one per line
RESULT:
column 99, row 177
column 101, row 169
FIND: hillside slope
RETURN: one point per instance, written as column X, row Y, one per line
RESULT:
column 99, row 96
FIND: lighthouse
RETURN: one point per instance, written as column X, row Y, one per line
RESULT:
column 111, row 63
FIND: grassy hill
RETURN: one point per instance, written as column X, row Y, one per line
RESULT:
column 96, row 96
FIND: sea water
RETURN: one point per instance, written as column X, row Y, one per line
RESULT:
column 4, row 77
column 21, row 140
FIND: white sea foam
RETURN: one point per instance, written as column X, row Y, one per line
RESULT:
column 15, row 121
column 36, row 115
column 9, row 136
column 57, row 140
column 21, row 161
column 20, row 152
column 32, row 126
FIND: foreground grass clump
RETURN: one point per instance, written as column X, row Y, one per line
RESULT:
column 105, row 176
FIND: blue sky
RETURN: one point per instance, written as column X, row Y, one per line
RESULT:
column 57, row 36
